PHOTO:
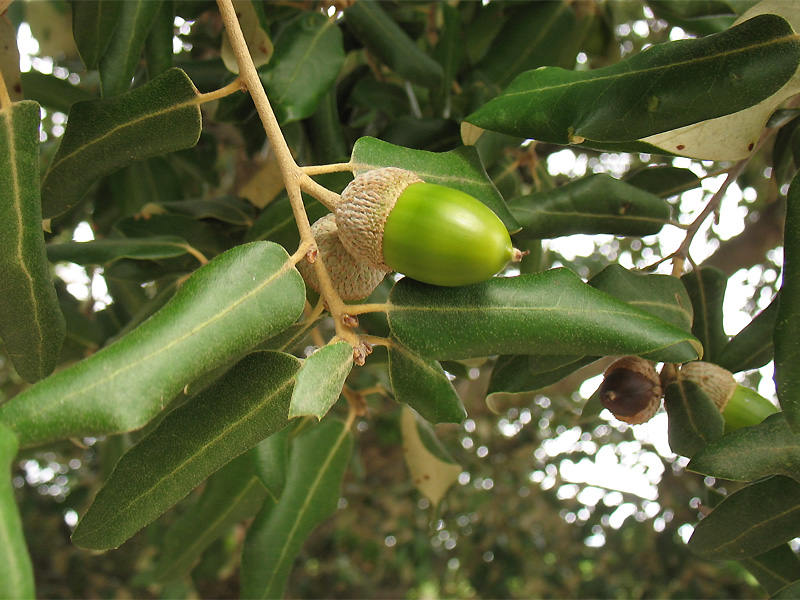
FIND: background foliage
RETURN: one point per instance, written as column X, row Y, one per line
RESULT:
column 626, row 148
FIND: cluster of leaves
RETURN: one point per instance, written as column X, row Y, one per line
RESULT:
column 195, row 374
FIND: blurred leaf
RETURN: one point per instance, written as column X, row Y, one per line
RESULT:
column 320, row 380
column 32, row 327
column 694, row 420
column 52, row 92
column 254, row 29
column 788, row 592
column 450, row 50
column 308, row 58
column 9, row 57
column 158, row 46
column 107, row 251
column 121, row 57
column 787, row 324
column 680, row 78
column 750, row 521
column 422, row 384
column 751, row 348
column 228, row 209
column 16, row 570
column 277, row 223
column 384, row 38
column 105, row 135
column 661, row 295
column 317, row 465
column 552, row 312
column 774, row 569
column 460, row 169
column 432, row 470
column 225, row 308
column 523, row 373
column 750, row 453
column 93, row 25
column 706, row 287
column 663, row 181
column 593, row 204
column 232, row 494
column 243, row 407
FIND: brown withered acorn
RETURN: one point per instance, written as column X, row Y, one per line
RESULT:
column 717, row 383
column 631, row 390
column 353, row 280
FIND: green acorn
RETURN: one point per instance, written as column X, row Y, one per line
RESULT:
column 389, row 218
column 352, row 280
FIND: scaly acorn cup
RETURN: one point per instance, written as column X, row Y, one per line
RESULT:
column 631, row 390
column 352, row 280
column 740, row 406
column 389, row 218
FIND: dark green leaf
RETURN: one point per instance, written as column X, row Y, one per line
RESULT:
column 789, row 592
column 663, row 88
column 460, row 169
column 694, row 420
column 787, row 325
column 320, row 380
column 594, row 204
column 661, row 295
column 107, row 251
column 522, row 373
column 93, row 25
column 31, row 324
column 228, row 209
column 225, row 308
column 774, row 569
column 747, row 454
column 232, row 494
column 751, row 521
column 105, row 135
column 158, row 46
column 706, row 287
column 751, row 348
column 246, row 405
column 664, row 181
column 16, row 571
column 552, row 312
column 317, row 465
column 121, row 57
column 277, row 222
column 52, row 92
column 422, row 384
column 308, row 57
column 271, row 461
column 385, row 39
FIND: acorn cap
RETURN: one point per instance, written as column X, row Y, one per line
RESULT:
column 717, row 383
column 365, row 206
column 351, row 279
column 631, row 390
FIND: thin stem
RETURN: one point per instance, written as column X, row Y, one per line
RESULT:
column 196, row 253
column 360, row 309
column 234, row 86
column 327, row 197
column 325, row 169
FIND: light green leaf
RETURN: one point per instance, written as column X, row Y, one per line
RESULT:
column 308, row 57
column 226, row 307
column 432, row 470
column 694, row 419
column 243, row 407
column 460, row 169
column 105, row 135
column 747, row 454
column 384, row 38
column 750, row 521
column 232, row 494
column 422, row 384
column 121, row 57
column 657, row 90
column 317, row 465
column 32, row 327
column 93, row 25
column 110, row 250
column 320, row 380
column 16, row 571
column 787, row 325
column 591, row 205
column 544, row 313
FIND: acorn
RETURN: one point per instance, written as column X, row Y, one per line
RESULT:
column 353, row 280
column 391, row 219
column 740, row 406
column 631, row 390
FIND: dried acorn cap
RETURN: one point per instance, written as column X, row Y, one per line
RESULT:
column 717, row 383
column 631, row 390
column 365, row 206
column 353, row 280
